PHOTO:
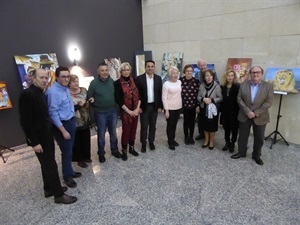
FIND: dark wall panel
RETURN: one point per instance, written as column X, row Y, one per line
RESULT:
column 101, row 28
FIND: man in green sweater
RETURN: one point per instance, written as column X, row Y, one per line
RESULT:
column 101, row 93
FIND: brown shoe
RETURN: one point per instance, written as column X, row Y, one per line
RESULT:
column 65, row 199
column 82, row 164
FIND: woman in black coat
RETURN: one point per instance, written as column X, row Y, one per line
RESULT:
column 229, row 109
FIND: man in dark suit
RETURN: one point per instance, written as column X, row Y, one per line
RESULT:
column 37, row 127
column 150, row 91
column 254, row 98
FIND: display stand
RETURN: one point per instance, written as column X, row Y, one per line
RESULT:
column 2, row 151
column 276, row 132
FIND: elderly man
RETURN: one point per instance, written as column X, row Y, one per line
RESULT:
column 35, row 122
column 202, row 65
column 254, row 98
column 101, row 93
column 61, row 111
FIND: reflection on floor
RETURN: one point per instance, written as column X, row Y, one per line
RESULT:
column 190, row 185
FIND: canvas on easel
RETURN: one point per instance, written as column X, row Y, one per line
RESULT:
column 5, row 102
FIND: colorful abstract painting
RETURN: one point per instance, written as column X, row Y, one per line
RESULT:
column 171, row 59
column 113, row 67
column 5, row 102
column 241, row 66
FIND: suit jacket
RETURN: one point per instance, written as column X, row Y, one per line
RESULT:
column 261, row 104
column 141, row 83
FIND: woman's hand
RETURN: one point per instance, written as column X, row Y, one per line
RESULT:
column 167, row 114
column 207, row 101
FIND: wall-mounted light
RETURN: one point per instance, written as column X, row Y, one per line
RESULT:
column 74, row 54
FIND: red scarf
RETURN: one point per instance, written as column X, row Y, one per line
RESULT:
column 131, row 95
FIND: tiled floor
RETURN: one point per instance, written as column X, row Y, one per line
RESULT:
column 190, row 185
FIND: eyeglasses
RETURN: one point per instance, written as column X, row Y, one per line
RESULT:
column 64, row 77
column 256, row 72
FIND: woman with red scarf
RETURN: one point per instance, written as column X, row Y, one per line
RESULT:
column 127, row 97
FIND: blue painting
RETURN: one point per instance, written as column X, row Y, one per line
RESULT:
column 284, row 79
column 196, row 68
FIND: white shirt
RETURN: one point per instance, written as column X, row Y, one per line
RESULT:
column 150, row 88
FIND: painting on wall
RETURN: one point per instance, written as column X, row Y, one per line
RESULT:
column 171, row 59
column 140, row 58
column 27, row 63
column 5, row 102
column 241, row 66
column 196, row 68
column 113, row 67
column 284, row 79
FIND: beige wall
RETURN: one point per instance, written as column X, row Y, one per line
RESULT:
column 264, row 30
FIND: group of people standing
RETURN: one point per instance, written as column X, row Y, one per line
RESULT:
column 62, row 112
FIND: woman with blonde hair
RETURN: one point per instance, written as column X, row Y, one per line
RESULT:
column 229, row 109
column 82, row 145
column 127, row 97
column 171, row 97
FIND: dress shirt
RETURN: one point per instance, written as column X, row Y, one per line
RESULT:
column 60, row 104
column 254, row 89
column 150, row 88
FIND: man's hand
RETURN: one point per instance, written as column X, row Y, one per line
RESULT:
column 38, row 148
column 251, row 115
column 66, row 135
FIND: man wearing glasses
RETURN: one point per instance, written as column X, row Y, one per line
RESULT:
column 254, row 98
column 61, row 112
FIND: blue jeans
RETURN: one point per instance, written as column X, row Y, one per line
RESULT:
column 66, row 147
column 107, row 120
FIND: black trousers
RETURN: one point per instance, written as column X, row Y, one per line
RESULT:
column 259, row 136
column 172, row 124
column 200, row 125
column 82, row 146
column 189, row 116
column 49, row 167
column 231, row 129
column 148, row 120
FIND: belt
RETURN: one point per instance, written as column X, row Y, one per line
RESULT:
column 67, row 120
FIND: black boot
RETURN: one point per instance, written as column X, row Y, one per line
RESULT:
column 132, row 150
column 225, row 148
column 231, row 147
column 192, row 141
column 124, row 152
column 186, row 140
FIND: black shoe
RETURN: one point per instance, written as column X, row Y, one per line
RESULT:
column 172, row 147
column 82, row 164
column 237, row 156
column 204, row 146
column 65, row 199
column 70, row 183
column 211, row 148
column 101, row 158
column 225, row 148
column 199, row 137
column 187, row 141
column 49, row 193
column 88, row 160
column 192, row 141
column 152, row 146
column 77, row 174
column 132, row 151
column 258, row 161
column 117, row 154
column 175, row 143
column 231, row 147
column 124, row 155
column 143, row 149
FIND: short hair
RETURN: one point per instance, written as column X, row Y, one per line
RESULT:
column 149, row 61
column 59, row 69
column 73, row 77
column 171, row 69
column 188, row 66
column 262, row 71
column 34, row 72
column 123, row 65
column 102, row 64
column 210, row 72
column 201, row 60
column 225, row 77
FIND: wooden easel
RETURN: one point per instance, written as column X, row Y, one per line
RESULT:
column 2, row 151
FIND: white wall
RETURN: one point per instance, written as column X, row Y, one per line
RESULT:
column 264, row 30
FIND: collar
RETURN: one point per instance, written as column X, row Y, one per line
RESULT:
column 149, row 76
column 58, row 85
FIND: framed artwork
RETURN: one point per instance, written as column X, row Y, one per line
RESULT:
column 27, row 63
column 140, row 58
column 113, row 67
column 171, row 59
column 284, row 79
column 196, row 68
column 241, row 66
column 5, row 102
